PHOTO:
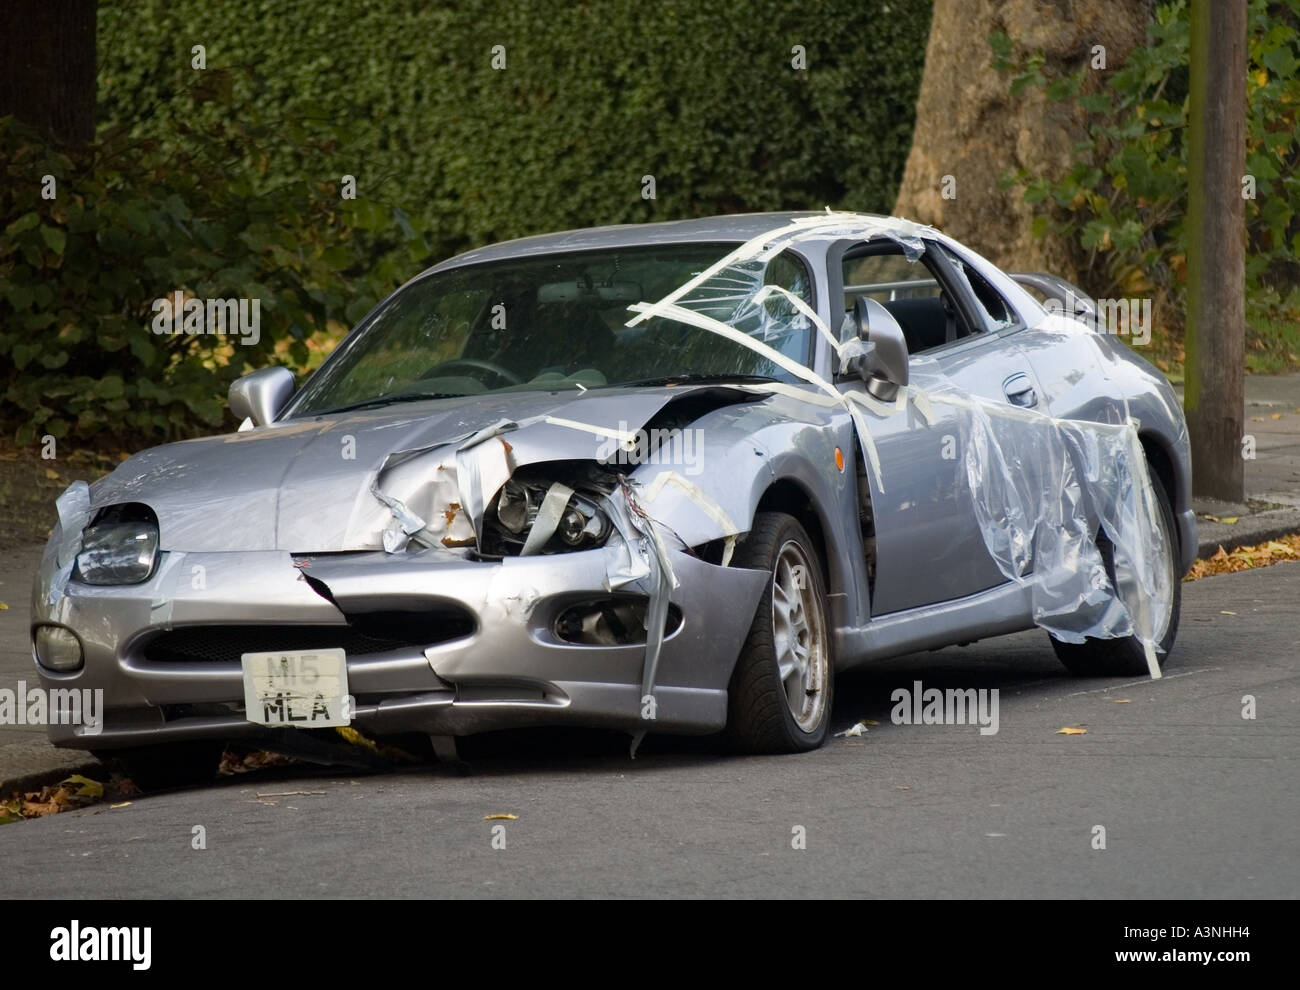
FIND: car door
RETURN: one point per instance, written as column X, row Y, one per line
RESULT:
column 928, row 544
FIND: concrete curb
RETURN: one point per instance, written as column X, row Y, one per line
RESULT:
column 36, row 779
column 1259, row 528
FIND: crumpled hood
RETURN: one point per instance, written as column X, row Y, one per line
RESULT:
column 304, row 486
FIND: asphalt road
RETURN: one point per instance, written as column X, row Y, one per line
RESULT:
column 1196, row 800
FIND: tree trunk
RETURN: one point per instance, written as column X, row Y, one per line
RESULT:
column 47, row 66
column 969, row 127
column 1216, row 250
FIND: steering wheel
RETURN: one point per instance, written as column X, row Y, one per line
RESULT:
column 491, row 366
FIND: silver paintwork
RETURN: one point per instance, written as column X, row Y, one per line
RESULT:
column 254, row 512
column 260, row 395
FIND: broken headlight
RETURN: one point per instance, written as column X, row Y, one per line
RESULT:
column 540, row 518
column 117, row 552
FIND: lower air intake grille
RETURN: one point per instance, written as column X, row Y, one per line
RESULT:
column 382, row 633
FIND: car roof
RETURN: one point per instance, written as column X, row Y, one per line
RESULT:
column 737, row 228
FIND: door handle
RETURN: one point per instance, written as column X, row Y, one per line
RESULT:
column 1019, row 390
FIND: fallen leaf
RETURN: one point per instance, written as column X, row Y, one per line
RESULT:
column 85, row 787
column 3, row 607
column 1070, row 730
column 1122, row 701
column 124, row 804
column 52, row 474
column 904, row 787
column 1226, row 612
column 1228, row 520
column 505, row 818
column 1277, row 415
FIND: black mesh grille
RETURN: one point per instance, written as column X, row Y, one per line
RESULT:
column 226, row 644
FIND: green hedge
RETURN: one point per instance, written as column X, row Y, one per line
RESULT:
column 593, row 96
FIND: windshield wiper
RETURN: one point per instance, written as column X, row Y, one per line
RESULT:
column 385, row 400
column 693, row 378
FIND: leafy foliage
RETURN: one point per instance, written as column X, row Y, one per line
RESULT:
column 592, row 97
column 133, row 221
column 1123, row 204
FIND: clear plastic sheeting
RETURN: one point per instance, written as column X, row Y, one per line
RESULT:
column 1041, row 488
column 637, row 559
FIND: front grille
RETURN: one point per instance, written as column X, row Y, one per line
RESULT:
column 226, row 644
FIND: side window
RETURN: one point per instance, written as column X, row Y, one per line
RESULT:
column 886, row 278
column 909, row 290
column 991, row 307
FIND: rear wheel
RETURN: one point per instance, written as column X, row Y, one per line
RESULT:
column 167, row 765
column 1126, row 657
column 779, row 698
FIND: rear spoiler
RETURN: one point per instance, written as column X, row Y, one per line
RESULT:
column 1069, row 298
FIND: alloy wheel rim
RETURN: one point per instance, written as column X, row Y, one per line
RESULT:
column 799, row 637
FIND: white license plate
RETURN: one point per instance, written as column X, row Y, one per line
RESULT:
column 304, row 688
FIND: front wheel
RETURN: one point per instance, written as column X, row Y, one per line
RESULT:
column 779, row 698
column 1126, row 657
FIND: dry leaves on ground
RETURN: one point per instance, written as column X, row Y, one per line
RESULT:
column 68, row 794
column 1287, row 548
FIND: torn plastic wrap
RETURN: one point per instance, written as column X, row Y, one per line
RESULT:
column 648, row 566
column 1041, row 488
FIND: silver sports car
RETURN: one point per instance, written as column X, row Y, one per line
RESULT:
column 667, row 478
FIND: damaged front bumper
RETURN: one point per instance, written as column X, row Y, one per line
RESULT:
column 434, row 645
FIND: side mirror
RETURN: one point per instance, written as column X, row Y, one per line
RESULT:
column 879, row 354
column 261, row 394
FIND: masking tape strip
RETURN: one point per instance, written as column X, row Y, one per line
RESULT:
column 623, row 436
column 548, row 518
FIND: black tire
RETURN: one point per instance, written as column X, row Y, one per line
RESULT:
column 165, row 766
column 759, row 716
column 1126, row 657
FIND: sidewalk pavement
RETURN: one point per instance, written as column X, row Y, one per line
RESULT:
column 1272, row 509
column 1272, row 506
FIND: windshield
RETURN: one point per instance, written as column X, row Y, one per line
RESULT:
column 558, row 321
